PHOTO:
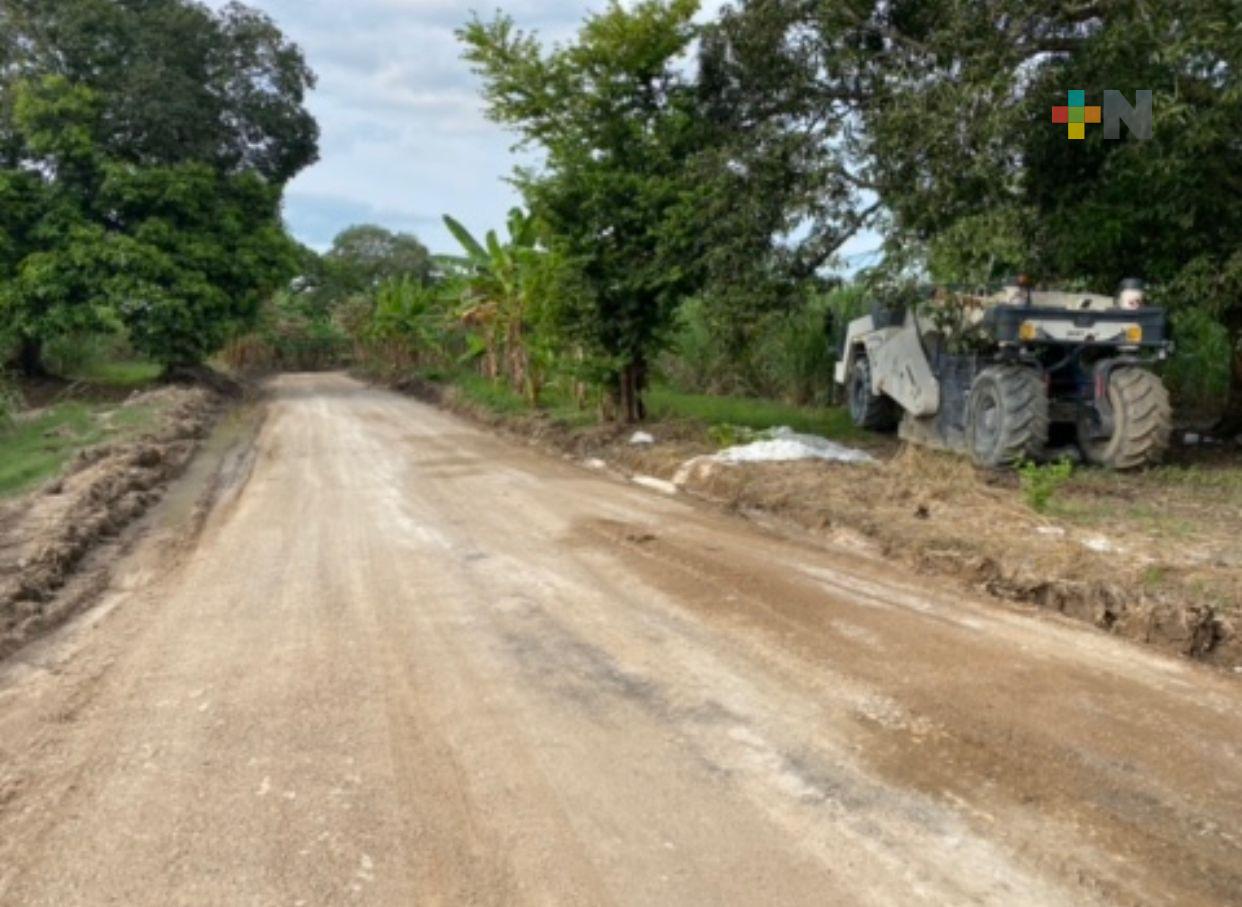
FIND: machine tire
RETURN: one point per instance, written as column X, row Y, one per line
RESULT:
column 1143, row 422
column 872, row 411
column 1008, row 416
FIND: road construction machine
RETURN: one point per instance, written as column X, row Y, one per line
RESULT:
column 1016, row 376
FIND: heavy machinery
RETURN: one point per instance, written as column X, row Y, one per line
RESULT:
column 1011, row 376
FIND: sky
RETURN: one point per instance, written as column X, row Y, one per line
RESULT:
column 404, row 139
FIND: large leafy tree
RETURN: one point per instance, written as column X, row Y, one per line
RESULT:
column 365, row 256
column 614, row 117
column 180, row 255
column 941, row 110
column 362, row 259
column 144, row 145
column 176, row 80
column 782, row 191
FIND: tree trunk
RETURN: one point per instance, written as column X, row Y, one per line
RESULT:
column 30, row 358
column 632, row 381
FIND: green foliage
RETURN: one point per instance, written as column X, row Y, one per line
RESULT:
column 1198, row 373
column 510, row 296
column 790, row 355
column 726, row 434
column 363, row 258
column 778, row 191
column 292, row 334
column 179, row 255
column 613, row 114
column 175, row 82
column 143, row 149
column 497, row 398
column 10, row 403
column 837, row 108
column 1041, row 481
column 106, row 359
column 412, row 326
column 751, row 413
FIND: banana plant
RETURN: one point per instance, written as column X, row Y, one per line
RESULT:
column 411, row 316
column 500, row 282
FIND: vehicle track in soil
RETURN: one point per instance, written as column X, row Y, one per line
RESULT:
column 411, row 662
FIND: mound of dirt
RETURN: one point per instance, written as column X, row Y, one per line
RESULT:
column 46, row 535
column 937, row 515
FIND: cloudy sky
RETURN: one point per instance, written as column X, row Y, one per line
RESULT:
column 404, row 138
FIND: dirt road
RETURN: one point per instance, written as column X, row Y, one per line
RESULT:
column 407, row 662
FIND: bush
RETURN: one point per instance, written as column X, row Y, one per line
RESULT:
column 69, row 355
column 290, row 337
column 10, row 403
column 1198, row 373
column 787, row 356
column 1041, row 481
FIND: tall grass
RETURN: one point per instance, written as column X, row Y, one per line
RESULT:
column 787, row 356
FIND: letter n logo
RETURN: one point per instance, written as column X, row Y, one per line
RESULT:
column 1117, row 110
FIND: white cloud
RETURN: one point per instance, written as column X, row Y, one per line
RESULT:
column 404, row 139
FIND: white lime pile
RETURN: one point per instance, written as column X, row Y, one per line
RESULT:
column 782, row 444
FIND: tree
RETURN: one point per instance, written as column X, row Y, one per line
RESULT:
column 614, row 116
column 782, row 191
column 509, row 293
column 177, row 81
column 363, row 257
column 203, row 250
column 179, row 255
column 143, row 148
column 1013, row 193
column 940, row 111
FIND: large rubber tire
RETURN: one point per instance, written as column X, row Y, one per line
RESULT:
column 869, row 410
column 1142, row 420
column 1008, row 416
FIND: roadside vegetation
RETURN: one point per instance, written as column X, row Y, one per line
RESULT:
column 683, row 235
column 37, row 445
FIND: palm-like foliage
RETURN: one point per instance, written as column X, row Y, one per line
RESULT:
column 503, row 288
column 409, row 319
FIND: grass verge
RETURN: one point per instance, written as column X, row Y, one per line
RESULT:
column 664, row 404
column 832, row 422
column 119, row 373
column 38, row 445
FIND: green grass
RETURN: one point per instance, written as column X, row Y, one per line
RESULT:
column 663, row 403
column 38, row 446
column 831, row 422
column 118, row 373
column 499, row 398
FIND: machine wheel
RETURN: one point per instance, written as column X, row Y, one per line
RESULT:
column 1142, row 422
column 869, row 410
column 1008, row 416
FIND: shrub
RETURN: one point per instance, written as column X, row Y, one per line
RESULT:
column 1041, row 481
column 10, row 403
column 1198, row 373
column 786, row 355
